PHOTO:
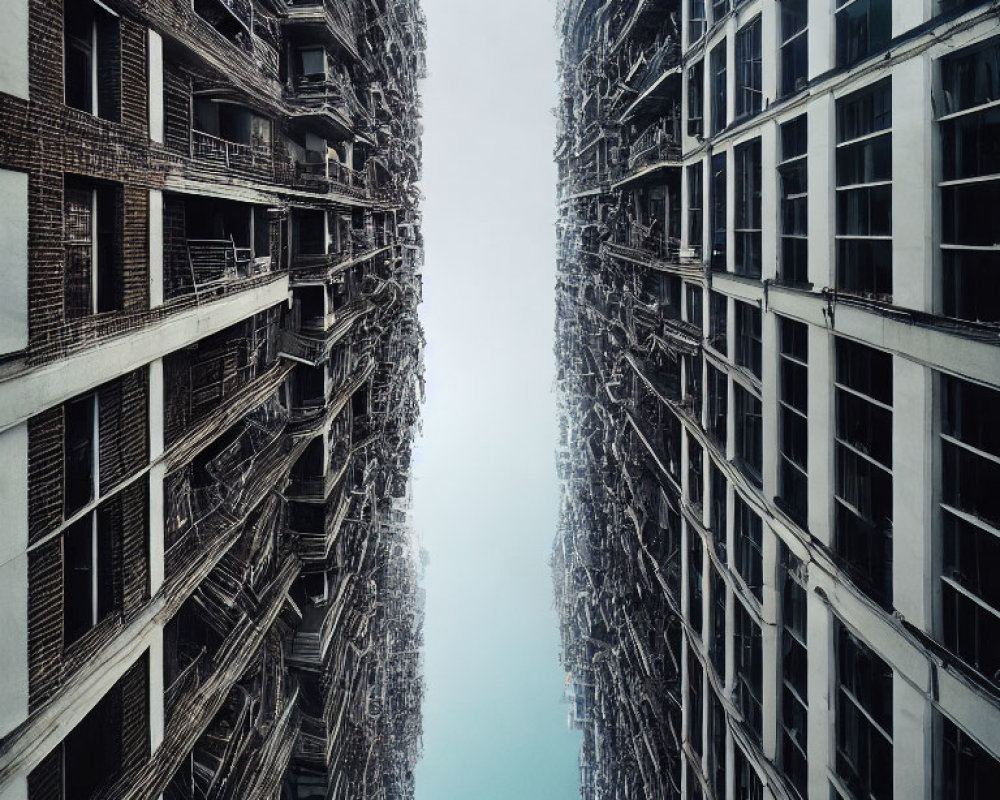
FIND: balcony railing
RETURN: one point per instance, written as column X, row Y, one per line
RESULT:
column 335, row 13
column 654, row 144
column 324, row 175
column 217, row 261
column 252, row 157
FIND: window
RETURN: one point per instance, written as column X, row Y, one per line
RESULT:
column 748, row 214
column 794, row 45
column 748, row 783
column 695, row 570
column 748, row 539
column 718, row 64
column 793, row 429
column 697, row 23
column 696, row 486
column 88, row 576
column 970, row 145
column 719, row 211
column 719, row 9
column 749, row 434
column 696, row 693
column 696, row 99
column 694, row 300
column 970, row 512
column 92, row 59
column 864, row 191
column 717, row 314
column 968, row 771
column 80, row 463
column 792, row 175
column 93, row 214
column 749, row 669
column 717, row 637
column 863, row 718
column 863, row 448
column 717, row 509
column 748, row 337
column 863, row 28
column 695, row 220
column 794, row 671
column 718, row 404
column 716, row 744
column 692, row 382
column 749, row 70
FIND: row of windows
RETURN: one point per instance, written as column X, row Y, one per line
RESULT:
column 863, row 188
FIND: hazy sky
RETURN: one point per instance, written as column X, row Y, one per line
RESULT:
column 485, row 492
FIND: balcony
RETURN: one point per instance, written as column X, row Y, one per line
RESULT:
column 253, row 158
column 209, row 245
column 327, row 100
column 332, row 176
column 329, row 21
column 315, row 530
column 642, row 244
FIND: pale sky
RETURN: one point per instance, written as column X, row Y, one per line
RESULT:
column 485, row 491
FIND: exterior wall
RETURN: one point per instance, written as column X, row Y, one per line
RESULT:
column 14, row 263
column 929, row 681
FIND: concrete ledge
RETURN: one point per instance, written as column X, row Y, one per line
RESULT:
column 27, row 393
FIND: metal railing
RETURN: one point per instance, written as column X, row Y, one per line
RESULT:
column 235, row 155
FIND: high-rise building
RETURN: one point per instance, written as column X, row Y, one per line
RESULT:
column 210, row 371
column 778, row 333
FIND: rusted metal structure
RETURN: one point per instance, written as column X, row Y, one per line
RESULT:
column 210, row 378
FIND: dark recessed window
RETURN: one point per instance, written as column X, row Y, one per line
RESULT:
column 695, row 567
column 719, row 87
column 864, row 27
column 793, row 407
column 794, row 672
column 863, row 716
column 748, row 209
column 748, row 538
column 749, row 670
column 696, row 232
column 748, row 337
column 717, row 322
column 970, row 518
column 968, row 771
column 718, row 404
column 970, row 149
column 863, row 450
column 93, row 219
column 696, row 695
column 719, row 211
column 749, row 70
column 717, row 510
column 697, row 24
column 92, row 59
column 793, row 177
column 696, row 99
column 794, row 45
column 749, row 433
column 864, row 191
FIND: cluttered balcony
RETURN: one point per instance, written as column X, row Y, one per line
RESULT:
column 226, row 134
column 212, row 246
column 329, row 21
column 652, row 149
column 322, row 95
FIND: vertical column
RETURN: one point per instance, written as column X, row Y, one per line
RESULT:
column 769, row 49
column 769, row 402
column 770, row 640
column 14, row 264
column 912, row 741
column 821, row 163
column 769, row 199
column 156, row 708
column 155, row 51
column 155, row 248
column 912, row 511
column 156, row 475
column 821, row 676
column 820, row 427
column 14, row 49
column 822, row 38
column 912, row 153
column 14, row 578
